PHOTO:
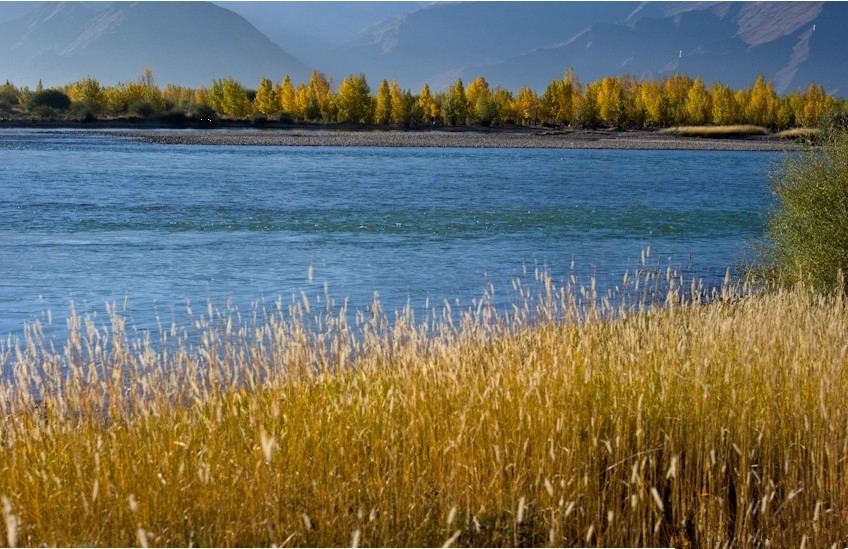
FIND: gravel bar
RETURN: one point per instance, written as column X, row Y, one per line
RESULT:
column 635, row 140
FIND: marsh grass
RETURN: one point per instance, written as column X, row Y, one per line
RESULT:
column 800, row 134
column 565, row 421
column 732, row 130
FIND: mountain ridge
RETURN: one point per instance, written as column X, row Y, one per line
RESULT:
column 193, row 43
column 511, row 44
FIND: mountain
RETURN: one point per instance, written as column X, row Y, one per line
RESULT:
column 791, row 43
column 531, row 43
column 185, row 43
column 511, row 43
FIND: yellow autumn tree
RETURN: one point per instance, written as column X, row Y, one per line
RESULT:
column 353, row 100
column 699, row 108
column 725, row 108
column 653, row 99
column 88, row 90
column 455, row 105
column 320, row 88
column 266, row 101
column 429, row 107
column 760, row 105
column 504, row 105
column 481, row 107
column 229, row 98
column 813, row 104
column 401, row 103
column 178, row 96
column 286, row 96
column 676, row 89
column 610, row 98
column 314, row 100
column 527, row 105
column 383, row 104
column 557, row 103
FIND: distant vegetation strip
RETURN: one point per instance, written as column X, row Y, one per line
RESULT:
column 613, row 102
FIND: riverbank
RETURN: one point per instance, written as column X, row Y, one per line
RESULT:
column 335, row 135
column 464, row 138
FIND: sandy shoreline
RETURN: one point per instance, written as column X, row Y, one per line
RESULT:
column 507, row 138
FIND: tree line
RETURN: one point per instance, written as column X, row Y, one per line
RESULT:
column 613, row 101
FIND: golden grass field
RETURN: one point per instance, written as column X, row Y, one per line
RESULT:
column 561, row 423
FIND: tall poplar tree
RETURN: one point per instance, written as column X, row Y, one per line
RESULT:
column 455, row 106
column 383, row 105
column 286, row 96
column 266, row 100
column 353, row 100
column 401, row 103
column 429, row 107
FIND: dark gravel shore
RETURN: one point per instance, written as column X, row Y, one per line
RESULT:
column 647, row 140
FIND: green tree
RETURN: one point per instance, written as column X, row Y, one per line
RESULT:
column 9, row 97
column 229, row 98
column 455, row 105
column 383, row 106
column 557, row 103
column 588, row 113
column 320, row 89
column 178, row 96
column 481, row 105
column 353, row 100
column 54, row 99
column 807, row 237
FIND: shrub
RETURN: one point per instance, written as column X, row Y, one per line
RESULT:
column 142, row 109
column 43, row 112
column 807, row 236
column 54, row 99
column 202, row 111
column 85, row 111
column 834, row 121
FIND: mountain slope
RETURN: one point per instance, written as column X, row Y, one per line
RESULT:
column 729, row 42
column 530, row 43
column 186, row 43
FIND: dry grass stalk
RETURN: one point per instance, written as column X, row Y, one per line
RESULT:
column 566, row 421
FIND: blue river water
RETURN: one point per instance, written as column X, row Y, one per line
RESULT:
column 97, row 219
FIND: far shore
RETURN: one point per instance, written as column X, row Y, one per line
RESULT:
column 315, row 135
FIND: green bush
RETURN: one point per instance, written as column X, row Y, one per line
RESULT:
column 54, row 99
column 142, row 109
column 834, row 121
column 807, row 236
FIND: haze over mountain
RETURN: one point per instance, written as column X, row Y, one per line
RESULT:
column 509, row 43
column 187, row 43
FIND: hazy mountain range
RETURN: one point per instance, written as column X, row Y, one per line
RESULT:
column 510, row 43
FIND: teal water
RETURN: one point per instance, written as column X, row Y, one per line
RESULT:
column 94, row 219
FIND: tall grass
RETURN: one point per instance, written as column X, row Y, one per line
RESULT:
column 730, row 130
column 566, row 421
